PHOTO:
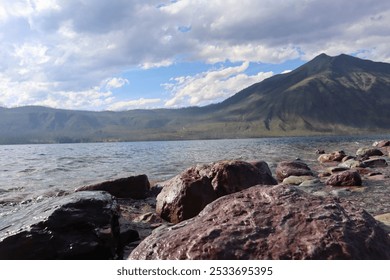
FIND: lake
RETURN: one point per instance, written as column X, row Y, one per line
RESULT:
column 29, row 173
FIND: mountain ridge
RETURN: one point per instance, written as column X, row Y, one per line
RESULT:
column 327, row 95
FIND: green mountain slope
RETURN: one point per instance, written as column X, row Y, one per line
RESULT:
column 331, row 95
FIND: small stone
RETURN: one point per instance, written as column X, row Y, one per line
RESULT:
column 376, row 162
column 368, row 152
column 345, row 178
column 286, row 169
column 296, row 180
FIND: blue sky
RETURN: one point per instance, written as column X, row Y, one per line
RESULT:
column 128, row 54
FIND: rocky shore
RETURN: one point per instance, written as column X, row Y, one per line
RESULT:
column 337, row 208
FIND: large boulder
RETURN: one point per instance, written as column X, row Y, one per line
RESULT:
column 185, row 195
column 286, row 169
column 136, row 187
column 279, row 222
column 345, row 178
column 81, row 225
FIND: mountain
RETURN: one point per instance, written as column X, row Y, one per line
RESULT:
column 327, row 95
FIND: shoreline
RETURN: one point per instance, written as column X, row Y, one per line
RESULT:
column 138, row 218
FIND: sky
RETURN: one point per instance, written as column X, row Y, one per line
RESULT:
column 131, row 54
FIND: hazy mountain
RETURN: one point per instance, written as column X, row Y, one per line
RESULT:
column 341, row 94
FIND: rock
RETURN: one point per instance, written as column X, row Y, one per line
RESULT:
column 185, row 195
column 81, row 225
column 320, row 152
column 296, row 180
column 368, row 152
column 351, row 163
column 384, row 221
column 286, row 169
column 381, row 144
column 342, row 192
column 334, row 156
column 345, row 178
column 337, row 169
column 376, row 162
column 278, row 222
column 136, row 187
column 310, row 183
column 347, row 158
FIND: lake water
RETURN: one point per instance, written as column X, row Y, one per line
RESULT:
column 29, row 173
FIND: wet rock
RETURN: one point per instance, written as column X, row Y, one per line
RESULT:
column 345, row 178
column 368, row 152
column 185, row 195
column 320, row 152
column 136, row 187
column 286, row 169
column 381, row 144
column 334, row 156
column 296, row 180
column 376, row 162
column 277, row 222
column 81, row 225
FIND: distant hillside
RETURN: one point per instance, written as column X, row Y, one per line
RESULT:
column 327, row 95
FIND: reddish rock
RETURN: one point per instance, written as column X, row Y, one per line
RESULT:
column 185, row 195
column 334, row 156
column 279, row 222
column 136, row 187
column 345, row 178
column 382, row 143
column 286, row 169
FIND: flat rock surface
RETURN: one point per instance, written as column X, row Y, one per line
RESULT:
column 279, row 222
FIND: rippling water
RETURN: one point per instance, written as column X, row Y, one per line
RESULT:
column 32, row 172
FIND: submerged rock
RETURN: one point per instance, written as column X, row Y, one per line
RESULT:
column 82, row 225
column 286, row 169
column 277, row 222
column 345, row 178
column 136, row 187
column 185, row 195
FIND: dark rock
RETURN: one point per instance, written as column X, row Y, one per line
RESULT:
column 286, row 169
column 136, row 187
column 320, row 152
column 185, row 195
column 368, row 152
column 277, row 222
column 334, row 156
column 345, row 178
column 382, row 143
column 376, row 162
column 82, row 225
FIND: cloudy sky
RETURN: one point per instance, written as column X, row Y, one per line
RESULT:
column 127, row 54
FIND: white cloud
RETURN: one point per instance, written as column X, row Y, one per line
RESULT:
column 131, row 104
column 116, row 83
column 71, row 46
column 210, row 86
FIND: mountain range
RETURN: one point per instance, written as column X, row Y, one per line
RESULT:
column 327, row 95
